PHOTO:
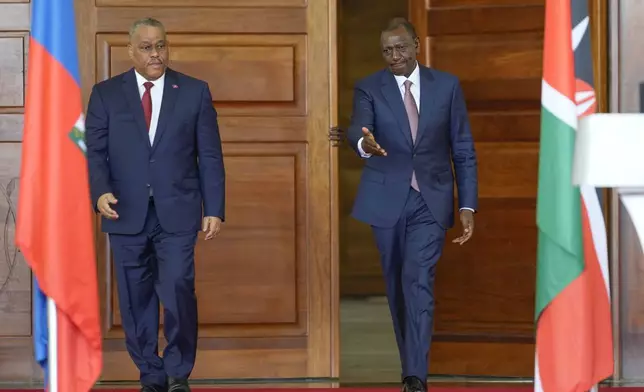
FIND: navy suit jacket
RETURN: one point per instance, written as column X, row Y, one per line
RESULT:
column 183, row 166
column 444, row 138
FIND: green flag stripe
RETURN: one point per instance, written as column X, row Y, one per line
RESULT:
column 560, row 248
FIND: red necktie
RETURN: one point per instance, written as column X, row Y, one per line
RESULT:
column 146, row 101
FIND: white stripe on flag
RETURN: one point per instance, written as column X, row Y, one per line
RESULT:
column 537, row 376
column 52, row 344
column 598, row 231
column 558, row 104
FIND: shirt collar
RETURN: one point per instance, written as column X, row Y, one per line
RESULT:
column 414, row 77
column 140, row 80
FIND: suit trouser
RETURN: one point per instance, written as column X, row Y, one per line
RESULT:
column 151, row 266
column 409, row 252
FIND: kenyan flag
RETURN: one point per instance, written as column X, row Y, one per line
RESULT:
column 574, row 348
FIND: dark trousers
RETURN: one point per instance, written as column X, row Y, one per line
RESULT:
column 151, row 266
column 409, row 252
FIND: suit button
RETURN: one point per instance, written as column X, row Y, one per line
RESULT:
column 152, row 161
column 148, row 185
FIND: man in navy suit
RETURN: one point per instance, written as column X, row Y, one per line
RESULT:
column 410, row 125
column 156, row 167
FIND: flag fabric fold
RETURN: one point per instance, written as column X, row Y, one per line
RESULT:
column 55, row 220
column 574, row 350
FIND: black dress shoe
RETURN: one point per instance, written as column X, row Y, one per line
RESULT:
column 153, row 388
column 178, row 385
column 413, row 384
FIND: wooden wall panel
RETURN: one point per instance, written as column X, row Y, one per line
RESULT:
column 16, row 358
column 266, row 286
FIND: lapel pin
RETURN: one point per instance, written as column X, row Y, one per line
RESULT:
column 175, row 86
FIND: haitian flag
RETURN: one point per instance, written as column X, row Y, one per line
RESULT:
column 574, row 347
column 55, row 221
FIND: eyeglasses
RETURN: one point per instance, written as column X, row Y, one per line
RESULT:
column 146, row 48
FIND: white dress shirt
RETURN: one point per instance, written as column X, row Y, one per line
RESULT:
column 414, row 78
column 156, row 93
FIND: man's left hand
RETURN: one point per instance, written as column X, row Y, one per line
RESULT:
column 336, row 136
column 211, row 226
column 467, row 220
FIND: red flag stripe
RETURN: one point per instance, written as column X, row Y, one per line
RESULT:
column 54, row 222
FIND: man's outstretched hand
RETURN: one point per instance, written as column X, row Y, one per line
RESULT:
column 369, row 144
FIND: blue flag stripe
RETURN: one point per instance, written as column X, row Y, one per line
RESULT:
column 54, row 27
column 40, row 329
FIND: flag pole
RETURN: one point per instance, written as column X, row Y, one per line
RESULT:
column 52, row 346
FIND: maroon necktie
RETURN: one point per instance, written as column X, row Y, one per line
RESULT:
column 146, row 101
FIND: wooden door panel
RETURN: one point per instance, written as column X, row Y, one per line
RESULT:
column 227, row 19
column 254, row 275
column 201, row 3
column 249, row 75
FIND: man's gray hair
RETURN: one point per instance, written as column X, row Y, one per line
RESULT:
column 146, row 22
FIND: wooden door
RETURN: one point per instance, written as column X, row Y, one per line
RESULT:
column 485, row 289
column 267, row 287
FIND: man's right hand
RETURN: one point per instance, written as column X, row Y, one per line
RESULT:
column 369, row 144
column 104, row 208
